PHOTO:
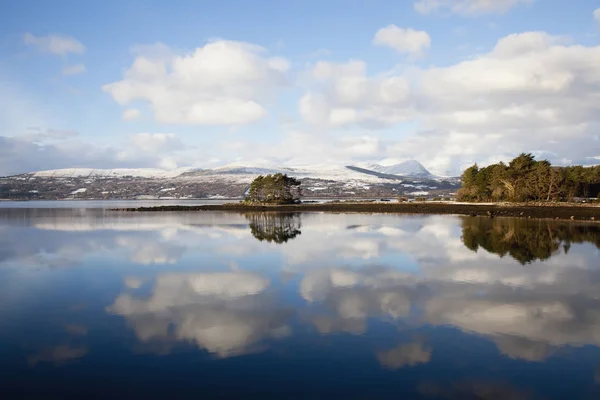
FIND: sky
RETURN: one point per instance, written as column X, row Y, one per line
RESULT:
column 168, row 84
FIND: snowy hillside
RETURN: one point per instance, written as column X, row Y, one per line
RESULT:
column 111, row 173
column 241, row 173
column 410, row 168
column 228, row 181
column 244, row 173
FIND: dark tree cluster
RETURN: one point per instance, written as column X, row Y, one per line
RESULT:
column 525, row 179
column 523, row 239
column 274, row 189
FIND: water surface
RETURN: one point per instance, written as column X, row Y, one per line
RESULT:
column 312, row 305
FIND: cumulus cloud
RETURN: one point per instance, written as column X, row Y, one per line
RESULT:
column 222, row 83
column 39, row 149
column 147, row 252
column 74, row 69
column 405, row 355
column 467, row 7
column 55, row 44
column 131, row 113
column 522, row 348
column 344, row 95
column 532, row 91
column 224, row 313
column 133, row 282
column 403, row 40
column 153, row 142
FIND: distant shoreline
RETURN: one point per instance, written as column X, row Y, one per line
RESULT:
column 568, row 211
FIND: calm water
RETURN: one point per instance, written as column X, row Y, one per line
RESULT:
column 95, row 303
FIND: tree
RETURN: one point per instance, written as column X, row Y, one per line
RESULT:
column 274, row 189
column 525, row 179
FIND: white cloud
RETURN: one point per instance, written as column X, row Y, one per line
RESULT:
column 223, row 313
column 131, row 113
column 40, row 150
column 405, row 355
column 403, row 40
column 221, row 83
column 157, row 142
column 467, row 7
column 74, row 69
column 55, row 44
column 597, row 14
column 532, row 91
column 344, row 95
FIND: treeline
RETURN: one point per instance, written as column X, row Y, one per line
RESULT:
column 525, row 179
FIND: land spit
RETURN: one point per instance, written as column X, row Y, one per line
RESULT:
column 568, row 211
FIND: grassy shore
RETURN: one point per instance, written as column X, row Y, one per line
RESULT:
column 581, row 212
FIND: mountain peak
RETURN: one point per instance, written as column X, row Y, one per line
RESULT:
column 411, row 168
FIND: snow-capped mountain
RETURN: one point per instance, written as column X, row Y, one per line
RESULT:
column 232, row 180
column 111, row 173
column 409, row 168
column 323, row 172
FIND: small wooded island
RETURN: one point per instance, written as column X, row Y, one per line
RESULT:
column 274, row 189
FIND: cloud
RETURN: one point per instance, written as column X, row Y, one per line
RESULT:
column 133, row 282
column 55, row 44
column 597, row 15
column 403, row 40
column 221, row 83
column 532, row 91
column 405, row 355
column 39, row 150
column 146, row 252
column 25, row 154
column 343, row 95
column 155, row 142
column 58, row 355
column 76, row 330
column 522, row 348
column 225, row 313
column 131, row 113
column 74, row 69
column 467, row 7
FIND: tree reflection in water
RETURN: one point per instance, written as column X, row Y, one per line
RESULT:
column 274, row 226
column 523, row 239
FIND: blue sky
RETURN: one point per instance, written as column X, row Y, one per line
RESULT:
column 167, row 84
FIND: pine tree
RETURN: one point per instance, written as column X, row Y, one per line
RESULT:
column 274, row 189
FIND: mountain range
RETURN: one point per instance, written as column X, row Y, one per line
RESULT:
column 231, row 181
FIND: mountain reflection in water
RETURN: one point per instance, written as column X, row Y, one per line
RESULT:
column 217, row 304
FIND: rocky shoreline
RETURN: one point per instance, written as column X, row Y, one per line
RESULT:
column 580, row 212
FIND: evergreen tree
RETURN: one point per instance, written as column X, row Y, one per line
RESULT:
column 525, row 179
column 274, row 189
